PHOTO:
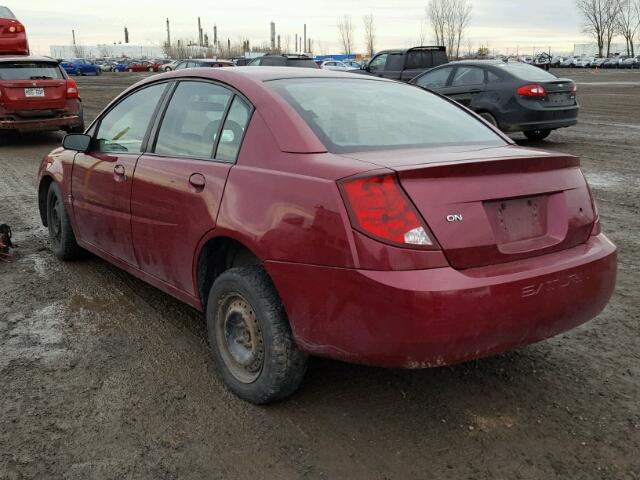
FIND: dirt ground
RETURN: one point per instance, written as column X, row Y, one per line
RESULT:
column 105, row 377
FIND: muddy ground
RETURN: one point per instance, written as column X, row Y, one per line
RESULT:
column 105, row 377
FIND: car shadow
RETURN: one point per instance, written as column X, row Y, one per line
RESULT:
column 31, row 138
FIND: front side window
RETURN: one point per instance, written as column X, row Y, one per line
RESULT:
column 233, row 130
column 124, row 127
column 378, row 62
column 468, row 76
column 192, row 120
column 435, row 79
column 406, row 116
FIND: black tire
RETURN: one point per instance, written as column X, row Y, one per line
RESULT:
column 537, row 134
column 80, row 128
column 489, row 118
column 246, row 320
column 150, row 69
column 61, row 236
column 130, row 70
column 98, row 72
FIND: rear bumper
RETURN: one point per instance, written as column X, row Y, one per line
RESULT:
column 15, row 44
column 424, row 318
column 34, row 124
column 539, row 119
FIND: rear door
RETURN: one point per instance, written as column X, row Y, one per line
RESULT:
column 102, row 178
column 394, row 66
column 32, row 85
column 467, row 84
column 178, row 184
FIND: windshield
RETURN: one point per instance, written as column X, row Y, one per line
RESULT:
column 6, row 13
column 29, row 71
column 351, row 115
column 527, row 72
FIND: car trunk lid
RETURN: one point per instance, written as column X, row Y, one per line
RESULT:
column 560, row 93
column 26, row 86
column 495, row 205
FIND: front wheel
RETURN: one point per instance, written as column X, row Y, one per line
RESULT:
column 537, row 134
column 61, row 236
column 251, row 338
column 489, row 118
column 150, row 69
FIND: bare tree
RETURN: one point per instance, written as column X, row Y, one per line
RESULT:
column 346, row 31
column 600, row 20
column 461, row 19
column 79, row 51
column 105, row 50
column 628, row 22
column 287, row 43
column 369, row 34
column 449, row 20
column 422, row 36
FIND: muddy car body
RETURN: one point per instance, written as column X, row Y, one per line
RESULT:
column 36, row 94
column 345, row 238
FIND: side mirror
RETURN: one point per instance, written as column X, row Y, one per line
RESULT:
column 78, row 142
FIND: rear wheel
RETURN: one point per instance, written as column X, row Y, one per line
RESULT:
column 489, row 118
column 250, row 337
column 130, row 70
column 98, row 72
column 61, row 236
column 150, row 69
column 537, row 134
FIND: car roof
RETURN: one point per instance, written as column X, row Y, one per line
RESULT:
column 27, row 58
column 404, row 50
column 265, row 74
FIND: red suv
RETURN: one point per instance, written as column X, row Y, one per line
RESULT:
column 410, row 233
column 13, row 38
column 36, row 94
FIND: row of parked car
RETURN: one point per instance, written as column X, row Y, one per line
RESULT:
column 621, row 61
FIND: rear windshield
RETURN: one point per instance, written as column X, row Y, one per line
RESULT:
column 527, row 72
column 29, row 71
column 351, row 115
column 6, row 13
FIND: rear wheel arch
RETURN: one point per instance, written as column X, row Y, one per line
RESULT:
column 216, row 256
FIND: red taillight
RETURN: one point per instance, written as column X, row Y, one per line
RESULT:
column 72, row 89
column 16, row 27
column 379, row 208
column 574, row 90
column 532, row 91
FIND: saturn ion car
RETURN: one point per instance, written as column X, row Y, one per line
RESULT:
column 303, row 224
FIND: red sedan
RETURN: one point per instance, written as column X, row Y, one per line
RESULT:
column 13, row 37
column 409, row 233
column 142, row 66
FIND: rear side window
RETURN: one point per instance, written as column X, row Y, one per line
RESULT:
column 6, row 13
column 416, row 59
column 192, row 120
column 468, row 76
column 526, row 72
column 395, row 62
column 412, row 118
column 124, row 127
column 29, row 71
column 233, row 130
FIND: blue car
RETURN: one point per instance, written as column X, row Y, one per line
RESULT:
column 121, row 66
column 80, row 66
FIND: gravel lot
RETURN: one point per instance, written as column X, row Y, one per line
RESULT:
column 105, row 377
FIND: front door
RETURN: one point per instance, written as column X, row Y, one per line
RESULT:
column 102, row 178
column 178, row 184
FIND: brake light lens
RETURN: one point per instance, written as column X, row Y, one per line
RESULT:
column 379, row 208
column 72, row 88
column 536, row 91
column 16, row 28
column 574, row 90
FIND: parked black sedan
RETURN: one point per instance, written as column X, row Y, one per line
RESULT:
column 515, row 97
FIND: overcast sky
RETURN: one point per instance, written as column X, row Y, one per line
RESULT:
column 502, row 24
